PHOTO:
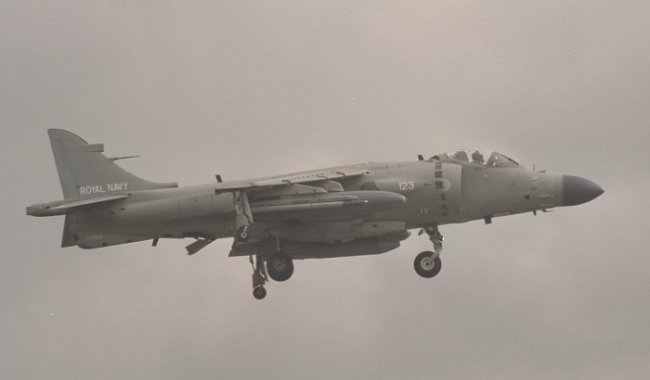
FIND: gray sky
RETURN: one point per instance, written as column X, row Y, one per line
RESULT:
column 247, row 89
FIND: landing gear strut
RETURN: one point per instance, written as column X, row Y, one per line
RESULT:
column 243, row 216
column 428, row 264
column 259, row 277
column 279, row 267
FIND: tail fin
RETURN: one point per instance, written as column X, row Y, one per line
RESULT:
column 85, row 172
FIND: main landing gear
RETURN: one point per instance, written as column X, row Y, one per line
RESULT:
column 428, row 264
column 279, row 267
column 259, row 277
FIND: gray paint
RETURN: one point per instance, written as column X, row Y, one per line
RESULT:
column 84, row 171
column 559, row 84
column 299, row 215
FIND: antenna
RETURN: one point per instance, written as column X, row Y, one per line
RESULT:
column 122, row 158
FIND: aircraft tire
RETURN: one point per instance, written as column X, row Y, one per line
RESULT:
column 242, row 235
column 279, row 267
column 425, row 266
column 259, row 292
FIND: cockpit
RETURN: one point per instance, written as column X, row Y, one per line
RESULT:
column 478, row 156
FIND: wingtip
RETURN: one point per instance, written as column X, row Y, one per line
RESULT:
column 65, row 134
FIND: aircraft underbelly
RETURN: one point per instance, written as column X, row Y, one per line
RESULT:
column 337, row 232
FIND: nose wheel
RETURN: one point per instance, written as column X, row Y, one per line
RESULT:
column 428, row 264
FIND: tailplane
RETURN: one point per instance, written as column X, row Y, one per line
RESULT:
column 84, row 171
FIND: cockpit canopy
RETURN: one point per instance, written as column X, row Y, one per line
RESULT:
column 478, row 156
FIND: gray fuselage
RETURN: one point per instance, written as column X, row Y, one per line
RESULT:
column 436, row 193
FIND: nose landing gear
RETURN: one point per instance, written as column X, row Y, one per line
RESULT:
column 428, row 264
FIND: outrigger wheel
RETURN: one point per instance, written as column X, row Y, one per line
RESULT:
column 426, row 266
column 242, row 235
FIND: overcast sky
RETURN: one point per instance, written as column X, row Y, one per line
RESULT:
column 254, row 88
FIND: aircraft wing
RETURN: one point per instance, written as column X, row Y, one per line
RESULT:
column 291, row 179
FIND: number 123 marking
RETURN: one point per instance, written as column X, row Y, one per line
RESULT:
column 406, row 185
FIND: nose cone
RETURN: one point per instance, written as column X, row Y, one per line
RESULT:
column 578, row 190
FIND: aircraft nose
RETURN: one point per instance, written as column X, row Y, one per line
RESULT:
column 578, row 190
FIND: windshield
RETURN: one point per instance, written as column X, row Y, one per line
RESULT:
column 479, row 156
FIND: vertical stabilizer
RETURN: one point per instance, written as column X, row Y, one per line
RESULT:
column 84, row 171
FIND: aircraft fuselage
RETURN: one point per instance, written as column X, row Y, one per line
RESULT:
column 435, row 193
column 334, row 212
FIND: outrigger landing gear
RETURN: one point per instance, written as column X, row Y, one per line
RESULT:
column 259, row 277
column 428, row 264
column 243, row 216
column 242, row 235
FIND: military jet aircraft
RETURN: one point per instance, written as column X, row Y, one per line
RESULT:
column 351, row 210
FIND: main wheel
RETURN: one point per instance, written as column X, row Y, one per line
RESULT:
column 242, row 235
column 279, row 267
column 259, row 292
column 426, row 266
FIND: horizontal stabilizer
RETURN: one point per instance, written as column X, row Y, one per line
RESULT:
column 70, row 205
